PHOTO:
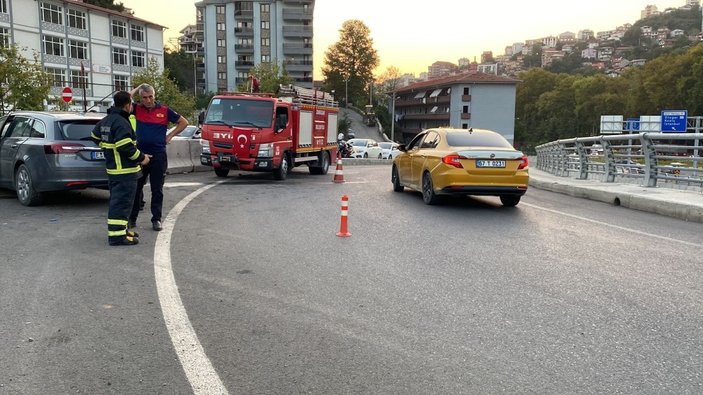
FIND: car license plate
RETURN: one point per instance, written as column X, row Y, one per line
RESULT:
column 97, row 155
column 224, row 158
column 490, row 163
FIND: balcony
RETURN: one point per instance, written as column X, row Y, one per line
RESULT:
column 244, row 31
column 465, row 97
column 297, row 31
column 297, row 49
column 296, row 15
column 244, row 48
column 465, row 115
column 426, row 117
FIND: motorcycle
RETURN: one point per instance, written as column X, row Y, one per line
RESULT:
column 344, row 149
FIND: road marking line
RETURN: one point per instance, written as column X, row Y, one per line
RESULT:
column 198, row 369
column 639, row 232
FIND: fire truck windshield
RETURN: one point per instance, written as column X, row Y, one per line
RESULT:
column 244, row 112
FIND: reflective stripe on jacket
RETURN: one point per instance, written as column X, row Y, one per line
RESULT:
column 115, row 136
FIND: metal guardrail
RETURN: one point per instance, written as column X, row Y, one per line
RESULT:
column 670, row 160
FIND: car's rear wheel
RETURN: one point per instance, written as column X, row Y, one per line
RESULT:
column 380, row 156
column 366, row 155
column 26, row 193
column 395, row 179
column 221, row 172
column 510, row 200
column 428, row 195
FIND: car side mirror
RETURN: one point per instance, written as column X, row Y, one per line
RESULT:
column 402, row 147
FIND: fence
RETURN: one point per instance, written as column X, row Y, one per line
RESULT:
column 651, row 159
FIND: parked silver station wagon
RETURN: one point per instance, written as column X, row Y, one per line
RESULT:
column 49, row 151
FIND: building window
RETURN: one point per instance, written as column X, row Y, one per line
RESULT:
column 220, row 26
column 53, row 45
column 76, row 19
column 220, row 9
column 4, row 37
column 464, row 125
column 466, row 91
column 465, row 110
column 51, row 13
column 3, row 6
column 137, row 33
column 265, row 58
column 119, row 29
column 221, row 43
column 121, row 82
column 266, row 42
column 265, row 25
column 119, row 56
column 221, row 59
column 77, row 49
column 221, row 76
column 58, row 76
column 79, row 80
column 138, row 59
column 266, row 8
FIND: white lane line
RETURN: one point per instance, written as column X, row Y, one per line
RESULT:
column 639, row 232
column 198, row 369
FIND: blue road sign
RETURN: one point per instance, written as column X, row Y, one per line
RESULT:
column 632, row 124
column 674, row 121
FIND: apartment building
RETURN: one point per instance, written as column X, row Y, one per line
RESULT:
column 93, row 50
column 239, row 35
column 464, row 100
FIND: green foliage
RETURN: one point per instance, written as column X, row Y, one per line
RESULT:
column 166, row 90
column 23, row 83
column 551, row 106
column 109, row 4
column 181, row 66
column 349, row 63
column 270, row 77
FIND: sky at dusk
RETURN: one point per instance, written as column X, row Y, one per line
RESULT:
column 413, row 35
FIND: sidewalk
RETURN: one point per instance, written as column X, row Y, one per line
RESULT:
column 686, row 205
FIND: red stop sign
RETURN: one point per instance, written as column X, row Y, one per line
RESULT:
column 67, row 94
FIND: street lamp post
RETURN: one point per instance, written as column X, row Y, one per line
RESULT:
column 393, row 117
column 346, row 92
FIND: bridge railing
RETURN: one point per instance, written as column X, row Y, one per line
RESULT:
column 649, row 159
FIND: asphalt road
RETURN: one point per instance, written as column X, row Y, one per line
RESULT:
column 557, row 295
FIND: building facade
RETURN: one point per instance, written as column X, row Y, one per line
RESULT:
column 92, row 50
column 467, row 100
column 239, row 35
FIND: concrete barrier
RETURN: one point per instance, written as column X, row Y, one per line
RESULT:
column 179, row 159
column 195, row 150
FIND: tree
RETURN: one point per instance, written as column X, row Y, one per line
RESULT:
column 165, row 89
column 270, row 77
column 109, row 4
column 23, row 82
column 180, row 64
column 349, row 63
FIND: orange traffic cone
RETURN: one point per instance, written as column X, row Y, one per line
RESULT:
column 339, row 173
column 343, row 231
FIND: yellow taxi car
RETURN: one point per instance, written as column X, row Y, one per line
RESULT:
column 445, row 161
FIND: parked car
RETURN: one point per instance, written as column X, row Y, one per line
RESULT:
column 365, row 148
column 628, row 166
column 49, row 151
column 351, row 134
column 447, row 161
column 389, row 149
column 190, row 132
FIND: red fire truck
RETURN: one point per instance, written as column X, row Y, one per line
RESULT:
column 263, row 132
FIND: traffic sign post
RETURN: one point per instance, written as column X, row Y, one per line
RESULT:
column 674, row 121
column 67, row 94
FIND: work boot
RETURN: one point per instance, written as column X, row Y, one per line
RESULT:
column 124, row 241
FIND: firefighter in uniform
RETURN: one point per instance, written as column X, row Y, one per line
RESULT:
column 115, row 136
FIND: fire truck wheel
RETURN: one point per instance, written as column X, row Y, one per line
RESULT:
column 324, row 164
column 283, row 170
column 221, row 172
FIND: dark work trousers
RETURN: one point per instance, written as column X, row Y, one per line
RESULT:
column 123, row 188
column 156, row 171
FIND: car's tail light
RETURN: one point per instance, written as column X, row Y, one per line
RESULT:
column 453, row 160
column 523, row 162
column 62, row 148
